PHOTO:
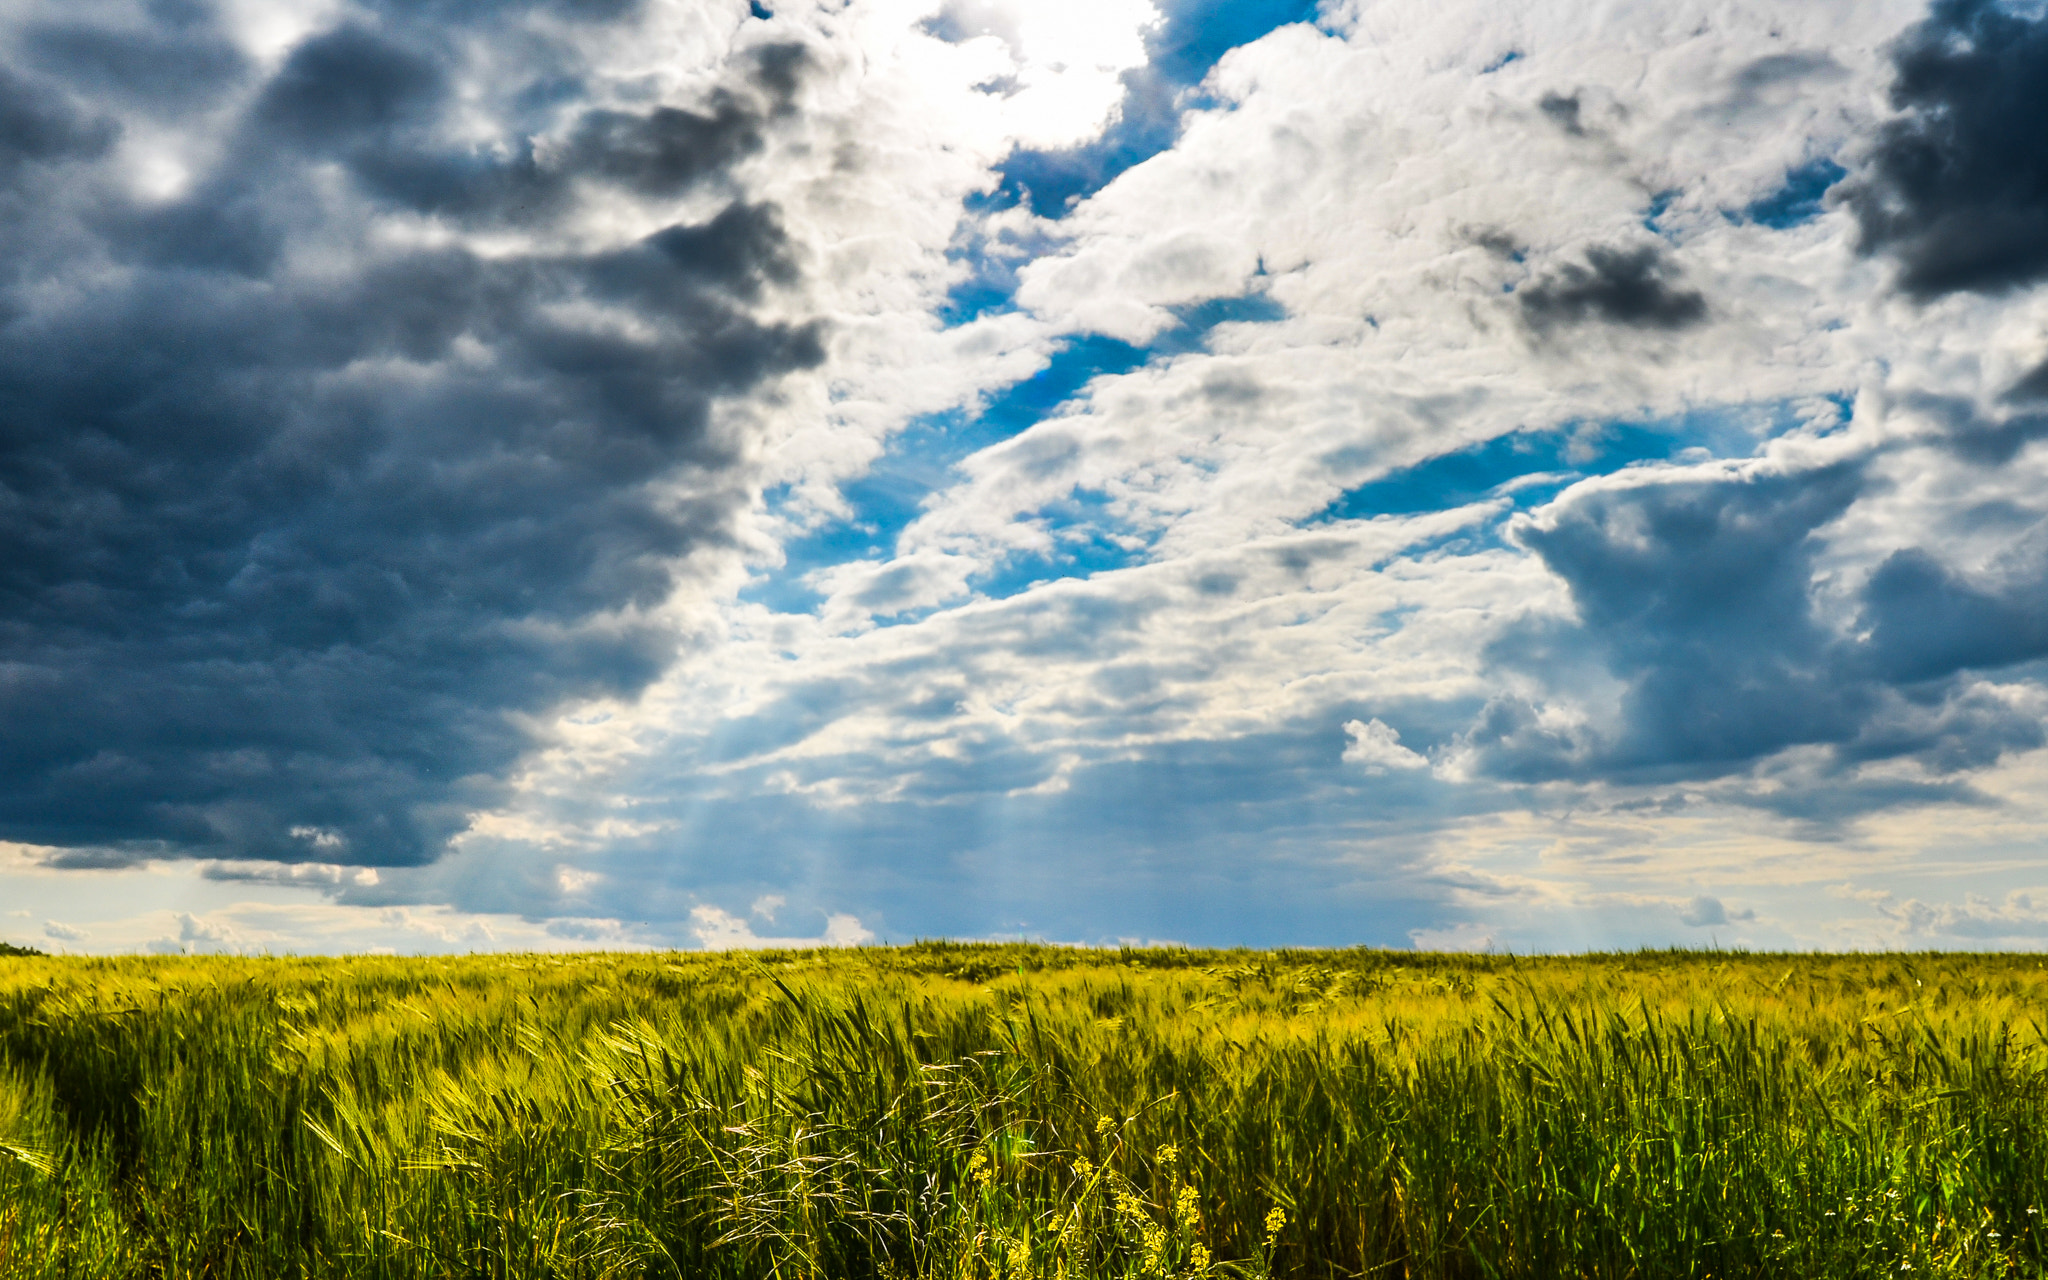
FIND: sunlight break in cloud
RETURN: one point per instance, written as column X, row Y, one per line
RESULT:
column 1461, row 474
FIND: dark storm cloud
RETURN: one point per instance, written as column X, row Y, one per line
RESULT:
column 346, row 84
column 38, row 126
column 1563, row 112
column 2032, row 388
column 1634, row 287
column 662, row 152
column 372, row 102
column 1697, row 594
column 1986, row 440
column 289, row 553
column 171, row 65
column 1927, row 621
column 1957, row 187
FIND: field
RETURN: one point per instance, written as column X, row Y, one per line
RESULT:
column 992, row 1111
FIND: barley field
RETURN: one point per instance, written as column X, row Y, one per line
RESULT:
column 946, row 1110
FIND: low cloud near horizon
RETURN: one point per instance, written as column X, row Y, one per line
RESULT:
column 629, row 473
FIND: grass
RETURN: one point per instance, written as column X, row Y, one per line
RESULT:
column 993, row 1111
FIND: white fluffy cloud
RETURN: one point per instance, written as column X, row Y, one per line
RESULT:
column 1377, row 746
column 720, row 930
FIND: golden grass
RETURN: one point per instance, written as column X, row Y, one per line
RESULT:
column 989, row 1111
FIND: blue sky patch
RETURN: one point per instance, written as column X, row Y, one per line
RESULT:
column 1071, row 368
column 1196, row 34
column 1660, row 204
column 1079, row 361
column 990, row 287
column 1198, row 318
column 1090, row 541
column 1451, row 479
column 982, row 294
column 1800, row 200
column 1559, row 456
column 921, row 458
column 920, row 461
column 1183, row 50
column 885, row 500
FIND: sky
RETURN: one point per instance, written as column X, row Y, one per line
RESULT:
column 1461, row 474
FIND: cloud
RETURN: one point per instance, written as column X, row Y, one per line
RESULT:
column 321, row 875
column 314, row 495
column 719, row 930
column 2016, row 919
column 1156, row 82
column 1957, row 185
column 1697, row 589
column 197, row 936
column 1094, row 624
column 453, row 440
column 345, row 85
column 178, row 60
column 1633, row 287
column 1562, row 111
column 1458, row 937
column 1929, row 621
column 601, row 931
column 2031, row 388
column 1378, row 747
column 1703, row 911
column 1984, row 436
column 1066, row 65
column 40, row 128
